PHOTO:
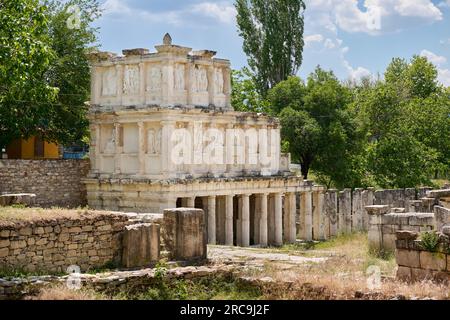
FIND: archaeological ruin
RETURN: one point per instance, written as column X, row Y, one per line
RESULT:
column 164, row 135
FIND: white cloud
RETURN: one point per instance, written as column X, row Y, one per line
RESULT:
column 439, row 61
column 418, row 8
column 433, row 58
column 312, row 39
column 378, row 16
column 329, row 44
column 225, row 12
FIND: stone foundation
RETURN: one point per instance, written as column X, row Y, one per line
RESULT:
column 415, row 263
column 90, row 241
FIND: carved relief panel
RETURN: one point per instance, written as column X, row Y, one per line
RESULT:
column 218, row 80
column 199, row 78
column 179, row 74
column 154, row 78
column 131, row 80
column 154, row 141
column 109, row 82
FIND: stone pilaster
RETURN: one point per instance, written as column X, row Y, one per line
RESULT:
column 306, row 216
column 263, row 200
column 142, row 153
column 245, row 220
column 118, row 148
column 229, row 220
column 212, row 220
column 278, row 239
column 289, row 218
column 318, row 216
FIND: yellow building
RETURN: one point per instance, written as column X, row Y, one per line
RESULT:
column 32, row 148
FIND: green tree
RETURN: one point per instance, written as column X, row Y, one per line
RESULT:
column 407, row 125
column 44, row 73
column 70, row 71
column 26, row 98
column 272, row 31
column 244, row 96
column 320, row 131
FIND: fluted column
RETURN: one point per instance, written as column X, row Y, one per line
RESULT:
column 306, row 215
column 245, row 220
column 263, row 219
column 141, row 148
column 118, row 148
column 318, row 223
column 229, row 220
column 278, row 239
column 289, row 218
column 212, row 220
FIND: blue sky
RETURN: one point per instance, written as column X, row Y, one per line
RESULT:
column 354, row 38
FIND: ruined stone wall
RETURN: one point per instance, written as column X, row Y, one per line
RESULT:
column 345, row 210
column 53, row 245
column 416, row 263
column 55, row 182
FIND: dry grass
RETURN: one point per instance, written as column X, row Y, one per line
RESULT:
column 9, row 215
column 61, row 292
column 344, row 275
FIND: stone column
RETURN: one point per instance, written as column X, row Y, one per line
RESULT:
column 306, row 215
column 142, row 82
column 376, row 213
column 278, row 240
column 96, row 85
column 118, row 148
column 345, row 211
column 227, row 86
column 119, row 72
column 318, row 216
column 94, row 149
column 212, row 220
column 167, row 164
column 289, row 218
column 245, row 220
column 229, row 220
column 190, row 202
column 211, row 85
column 141, row 148
column 187, row 81
column 263, row 200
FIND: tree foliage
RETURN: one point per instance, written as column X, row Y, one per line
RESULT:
column 320, row 131
column 272, row 31
column 44, row 74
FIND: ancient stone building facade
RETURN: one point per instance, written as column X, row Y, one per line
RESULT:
column 164, row 135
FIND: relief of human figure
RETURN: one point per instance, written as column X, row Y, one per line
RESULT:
column 154, row 141
column 203, row 80
column 155, row 79
column 179, row 77
column 111, row 144
column 131, row 80
column 218, row 78
column 109, row 85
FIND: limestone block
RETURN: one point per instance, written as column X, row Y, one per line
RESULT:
column 184, row 233
column 433, row 261
column 422, row 219
column 141, row 244
column 404, row 273
column 377, row 209
column 442, row 216
column 28, row 199
column 407, row 258
column 418, row 274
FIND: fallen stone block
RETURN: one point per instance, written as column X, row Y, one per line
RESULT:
column 27, row 199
